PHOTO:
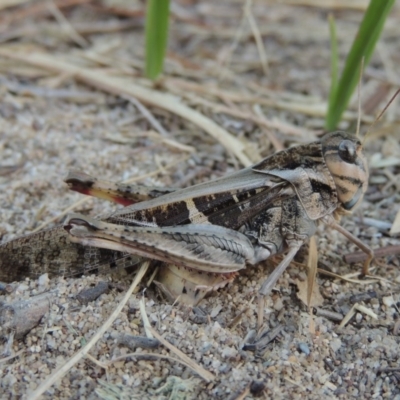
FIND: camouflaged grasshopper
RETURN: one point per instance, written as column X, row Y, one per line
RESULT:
column 208, row 231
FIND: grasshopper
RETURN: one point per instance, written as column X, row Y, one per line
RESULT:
column 212, row 229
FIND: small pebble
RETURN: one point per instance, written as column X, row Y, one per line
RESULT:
column 304, row 348
column 90, row 294
column 388, row 301
column 257, row 388
column 229, row 352
column 44, row 280
column 335, row 344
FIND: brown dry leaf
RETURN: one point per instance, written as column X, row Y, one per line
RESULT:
column 316, row 297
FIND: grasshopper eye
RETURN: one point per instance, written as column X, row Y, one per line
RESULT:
column 347, row 151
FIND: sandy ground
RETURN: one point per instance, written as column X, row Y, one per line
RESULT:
column 44, row 133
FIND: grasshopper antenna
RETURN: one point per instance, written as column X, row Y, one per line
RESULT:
column 359, row 97
column 381, row 113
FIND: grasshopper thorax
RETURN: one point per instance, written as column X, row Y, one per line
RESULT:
column 346, row 162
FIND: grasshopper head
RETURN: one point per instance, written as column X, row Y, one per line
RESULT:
column 346, row 162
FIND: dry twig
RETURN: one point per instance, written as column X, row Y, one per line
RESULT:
column 360, row 256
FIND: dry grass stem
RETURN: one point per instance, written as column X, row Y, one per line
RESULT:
column 396, row 225
column 345, row 278
column 360, row 256
column 257, row 36
column 366, row 311
column 145, row 319
column 155, row 172
column 66, row 26
column 17, row 354
column 62, row 214
column 35, row 9
column 261, row 120
column 333, row 316
column 172, row 144
column 95, row 361
column 294, row 382
column 225, row 56
column 244, row 394
column 312, row 265
column 260, row 311
column 359, row 5
column 149, row 356
column 152, row 276
column 316, row 108
column 357, row 307
column 148, row 115
column 207, row 376
column 238, row 317
column 11, row 3
column 270, row 134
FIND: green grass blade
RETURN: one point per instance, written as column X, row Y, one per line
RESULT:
column 157, row 19
column 334, row 58
column 363, row 46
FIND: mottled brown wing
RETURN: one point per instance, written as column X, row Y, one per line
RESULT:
column 229, row 201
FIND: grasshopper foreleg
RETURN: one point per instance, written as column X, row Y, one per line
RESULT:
column 329, row 220
column 269, row 284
